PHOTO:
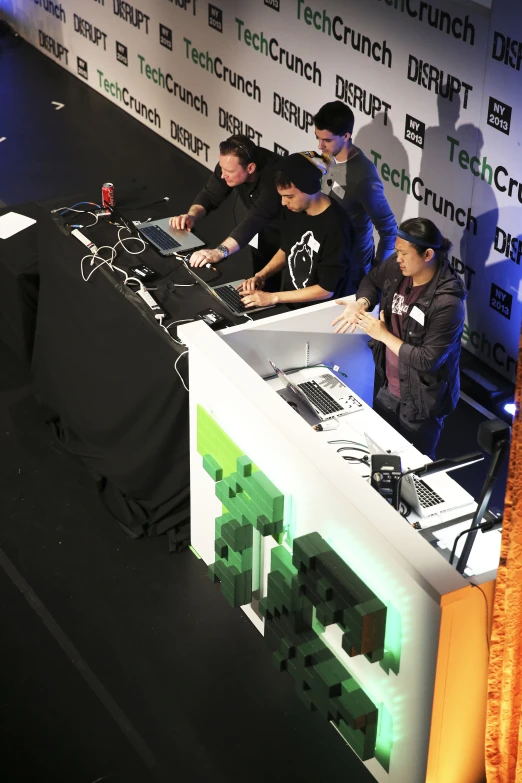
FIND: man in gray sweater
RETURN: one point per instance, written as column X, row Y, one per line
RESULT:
column 353, row 181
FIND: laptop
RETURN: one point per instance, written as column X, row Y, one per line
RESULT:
column 158, row 233
column 323, row 393
column 430, row 495
column 169, row 241
column 226, row 294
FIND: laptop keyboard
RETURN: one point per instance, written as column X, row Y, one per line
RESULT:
column 229, row 295
column 427, row 496
column 159, row 237
column 321, row 399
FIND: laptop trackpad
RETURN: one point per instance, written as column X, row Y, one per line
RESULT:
column 299, row 407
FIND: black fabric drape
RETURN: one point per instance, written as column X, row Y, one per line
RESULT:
column 106, row 370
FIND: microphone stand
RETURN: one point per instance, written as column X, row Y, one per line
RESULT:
column 497, row 435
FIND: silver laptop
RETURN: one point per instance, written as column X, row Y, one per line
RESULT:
column 167, row 240
column 323, row 393
column 430, row 495
column 226, row 294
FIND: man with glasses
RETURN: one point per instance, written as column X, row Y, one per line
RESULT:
column 249, row 169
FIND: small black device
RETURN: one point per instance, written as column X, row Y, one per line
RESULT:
column 213, row 319
column 144, row 273
column 385, row 476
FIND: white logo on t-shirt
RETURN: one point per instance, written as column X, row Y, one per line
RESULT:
column 398, row 306
column 300, row 259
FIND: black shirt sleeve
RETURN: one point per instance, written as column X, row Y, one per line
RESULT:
column 265, row 206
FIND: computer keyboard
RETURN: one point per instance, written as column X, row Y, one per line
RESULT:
column 159, row 237
column 229, row 295
column 318, row 397
column 427, row 496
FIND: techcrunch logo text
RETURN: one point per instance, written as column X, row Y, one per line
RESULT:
column 54, row 9
column 214, row 65
column 124, row 96
column 271, row 48
column 92, row 33
column 430, row 77
column 234, row 126
column 55, row 48
column 499, row 176
column 496, row 353
column 320, row 21
column 461, row 29
column 426, row 196
column 359, row 98
column 130, row 14
column 167, row 82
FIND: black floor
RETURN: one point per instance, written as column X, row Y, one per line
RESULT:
column 120, row 662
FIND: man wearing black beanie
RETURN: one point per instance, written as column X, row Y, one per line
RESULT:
column 315, row 240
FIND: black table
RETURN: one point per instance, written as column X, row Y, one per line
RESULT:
column 104, row 368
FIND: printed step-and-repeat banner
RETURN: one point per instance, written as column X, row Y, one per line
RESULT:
column 433, row 86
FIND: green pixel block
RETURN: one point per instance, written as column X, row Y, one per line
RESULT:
column 239, row 591
column 307, row 548
column 221, row 548
column 237, row 536
column 244, row 466
column 281, row 560
column 212, row 467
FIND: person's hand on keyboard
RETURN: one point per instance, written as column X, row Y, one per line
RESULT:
column 255, row 283
column 183, row 222
column 260, row 299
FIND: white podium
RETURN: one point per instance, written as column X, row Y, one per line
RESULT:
column 378, row 631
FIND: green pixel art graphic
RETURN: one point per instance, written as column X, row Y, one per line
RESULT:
column 308, row 589
column 250, row 502
column 315, row 577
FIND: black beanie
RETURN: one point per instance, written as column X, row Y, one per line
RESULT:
column 305, row 171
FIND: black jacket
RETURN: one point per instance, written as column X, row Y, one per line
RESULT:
column 260, row 198
column 429, row 357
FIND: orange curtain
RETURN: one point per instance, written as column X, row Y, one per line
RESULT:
column 504, row 709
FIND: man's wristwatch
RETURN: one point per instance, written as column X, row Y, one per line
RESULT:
column 223, row 249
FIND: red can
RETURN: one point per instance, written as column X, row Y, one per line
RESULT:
column 108, row 199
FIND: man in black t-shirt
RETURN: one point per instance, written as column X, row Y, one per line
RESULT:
column 314, row 251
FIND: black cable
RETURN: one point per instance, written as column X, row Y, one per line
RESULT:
column 487, row 612
column 352, row 459
column 404, row 509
